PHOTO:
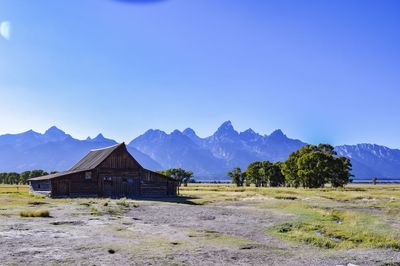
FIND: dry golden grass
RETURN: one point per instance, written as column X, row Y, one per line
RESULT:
column 349, row 193
column 35, row 213
column 13, row 188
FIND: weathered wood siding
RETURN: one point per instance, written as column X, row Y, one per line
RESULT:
column 156, row 185
column 75, row 185
column 119, row 175
column 120, row 159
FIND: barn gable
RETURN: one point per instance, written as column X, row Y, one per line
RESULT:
column 116, row 156
column 120, row 158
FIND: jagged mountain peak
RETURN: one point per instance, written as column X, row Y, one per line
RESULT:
column 176, row 132
column 154, row 132
column 227, row 125
column 55, row 134
column 54, row 130
column 99, row 137
column 189, row 132
column 249, row 134
column 277, row 134
column 249, row 131
column 226, row 130
column 29, row 132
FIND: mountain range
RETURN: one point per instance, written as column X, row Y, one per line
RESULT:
column 209, row 158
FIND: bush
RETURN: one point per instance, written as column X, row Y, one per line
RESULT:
column 123, row 203
column 95, row 211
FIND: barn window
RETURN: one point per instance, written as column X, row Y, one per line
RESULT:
column 107, row 179
column 130, row 180
column 38, row 185
column 88, row 175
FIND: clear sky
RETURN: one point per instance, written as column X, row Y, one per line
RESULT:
column 322, row 71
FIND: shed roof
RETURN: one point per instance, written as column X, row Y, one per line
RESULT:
column 51, row 176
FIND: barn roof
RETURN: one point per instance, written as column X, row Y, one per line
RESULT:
column 87, row 163
column 94, row 158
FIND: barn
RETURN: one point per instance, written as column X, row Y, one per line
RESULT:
column 110, row 172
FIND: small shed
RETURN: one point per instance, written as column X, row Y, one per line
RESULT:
column 109, row 172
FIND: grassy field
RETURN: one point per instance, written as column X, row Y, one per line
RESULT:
column 358, row 216
column 13, row 189
column 355, row 216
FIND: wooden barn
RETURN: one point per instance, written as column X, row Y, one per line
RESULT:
column 109, row 172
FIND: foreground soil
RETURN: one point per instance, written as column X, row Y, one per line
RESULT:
column 155, row 232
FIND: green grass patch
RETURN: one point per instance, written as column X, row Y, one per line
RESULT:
column 332, row 228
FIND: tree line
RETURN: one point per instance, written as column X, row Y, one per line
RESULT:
column 13, row 178
column 310, row 167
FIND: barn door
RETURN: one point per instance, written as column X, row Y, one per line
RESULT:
column 125, row 187
column 63, row 188
column 108, row 187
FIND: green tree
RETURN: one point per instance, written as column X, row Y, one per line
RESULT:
column 24, row 176
column 237, row 176
column 341, row 172
column 276, row 178
column 37, row 173
column 3, row 178
column 290, row 167
column 313, row 169
column 265, row 172
column 12, row 178
column 254, row 173
column 313, row 166
column 326, row 148
column 179, row 174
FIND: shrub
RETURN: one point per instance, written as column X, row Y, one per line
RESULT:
column 123, row 203
column 35, row 213
column 285, row 197
column 95, row 211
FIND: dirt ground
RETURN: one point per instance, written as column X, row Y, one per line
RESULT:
column 112, row 232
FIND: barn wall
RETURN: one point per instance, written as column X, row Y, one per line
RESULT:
column 121, row 176
column 129, row 183
column 75, row 185
column 119, row 183
column 156, row 185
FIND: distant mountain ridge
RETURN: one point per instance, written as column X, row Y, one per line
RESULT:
column 53, row 150
column 209, row 158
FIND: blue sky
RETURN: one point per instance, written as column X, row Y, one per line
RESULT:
column 322, row 71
